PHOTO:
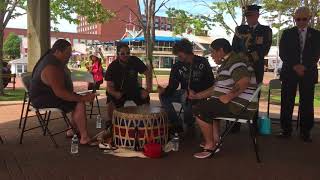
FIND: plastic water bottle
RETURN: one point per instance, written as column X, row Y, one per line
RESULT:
column 74, row 144
column 175, row 142
column 99, row 122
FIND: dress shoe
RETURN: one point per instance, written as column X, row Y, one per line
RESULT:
column 306, row 137
column 284, row 135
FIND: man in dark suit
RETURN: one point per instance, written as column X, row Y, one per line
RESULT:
column 300, row 53
column 255, row 41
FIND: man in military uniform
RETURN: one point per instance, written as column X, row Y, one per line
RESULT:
column 254, row 40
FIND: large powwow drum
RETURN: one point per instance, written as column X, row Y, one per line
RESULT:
column 135, row 126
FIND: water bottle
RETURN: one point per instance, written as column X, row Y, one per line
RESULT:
column 74, row 144
column 99, row 122
column 264, row 125
column 175, row 142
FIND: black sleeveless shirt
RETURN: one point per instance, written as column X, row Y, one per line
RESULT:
column 40, row 93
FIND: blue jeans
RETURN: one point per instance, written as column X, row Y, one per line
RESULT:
column 179, row 96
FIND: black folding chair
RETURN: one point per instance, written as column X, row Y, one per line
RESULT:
column 249, row 121
column 26, row 78
column 43, row 115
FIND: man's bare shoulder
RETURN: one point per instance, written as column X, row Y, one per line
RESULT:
column 51, row 74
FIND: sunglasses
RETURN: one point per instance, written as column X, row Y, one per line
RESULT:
column 124, row 54
column 301, row 19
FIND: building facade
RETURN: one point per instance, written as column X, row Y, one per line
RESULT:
column 125, row 19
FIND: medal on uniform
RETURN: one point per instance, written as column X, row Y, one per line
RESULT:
column 259, row 40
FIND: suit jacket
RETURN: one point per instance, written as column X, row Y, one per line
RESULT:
column 258, row 48
column 290, row 50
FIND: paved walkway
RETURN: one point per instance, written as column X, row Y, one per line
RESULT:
column 37, row 159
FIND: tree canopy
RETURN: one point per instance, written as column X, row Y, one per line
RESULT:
column 94, row 11
column 11, row 47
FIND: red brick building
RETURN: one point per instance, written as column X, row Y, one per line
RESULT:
column 125, row 19
column 116, row 27
column 112, row 30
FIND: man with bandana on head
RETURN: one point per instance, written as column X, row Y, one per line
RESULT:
column 300, row 52
column 254, row 40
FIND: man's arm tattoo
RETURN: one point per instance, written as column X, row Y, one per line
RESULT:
column 235, row 89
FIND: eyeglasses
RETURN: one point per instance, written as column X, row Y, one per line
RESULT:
column 124, row 54
column 301, row 19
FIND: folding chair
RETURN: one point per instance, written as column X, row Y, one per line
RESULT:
column 254, row 99
column 275, row 85
column 87, row 77
column 43, row 121
column 26, row 78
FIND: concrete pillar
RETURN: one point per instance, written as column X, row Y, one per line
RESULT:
column 38, row 30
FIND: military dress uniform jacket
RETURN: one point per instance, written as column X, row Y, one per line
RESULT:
column 255, row 43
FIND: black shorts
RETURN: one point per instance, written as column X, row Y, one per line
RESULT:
column 134, row 95
column 209, row 109
column 65, row 106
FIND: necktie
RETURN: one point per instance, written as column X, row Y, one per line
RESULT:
column 301, row 43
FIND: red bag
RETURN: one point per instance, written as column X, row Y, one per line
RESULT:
column 152, row 150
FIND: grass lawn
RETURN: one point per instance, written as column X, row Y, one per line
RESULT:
column 80, row 72
column 12, row 95
column 276, row 95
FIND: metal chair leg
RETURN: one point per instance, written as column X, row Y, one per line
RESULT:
column 98, row 104
column 24, row 123
column 254, row 141
column 47, row 116
column 41, row 121
column 268, row 109
column 22, row 111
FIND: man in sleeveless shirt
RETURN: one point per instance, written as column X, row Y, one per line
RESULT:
column 51, row 87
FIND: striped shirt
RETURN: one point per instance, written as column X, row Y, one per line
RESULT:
column 234, row 68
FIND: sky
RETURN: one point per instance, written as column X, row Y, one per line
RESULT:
column 191, row 6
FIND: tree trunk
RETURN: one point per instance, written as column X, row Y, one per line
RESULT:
column 242, row 4
column 149, row 38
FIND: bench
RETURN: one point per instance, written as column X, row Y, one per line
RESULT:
column 12, row 79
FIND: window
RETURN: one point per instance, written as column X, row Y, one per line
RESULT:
column 19, row 68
